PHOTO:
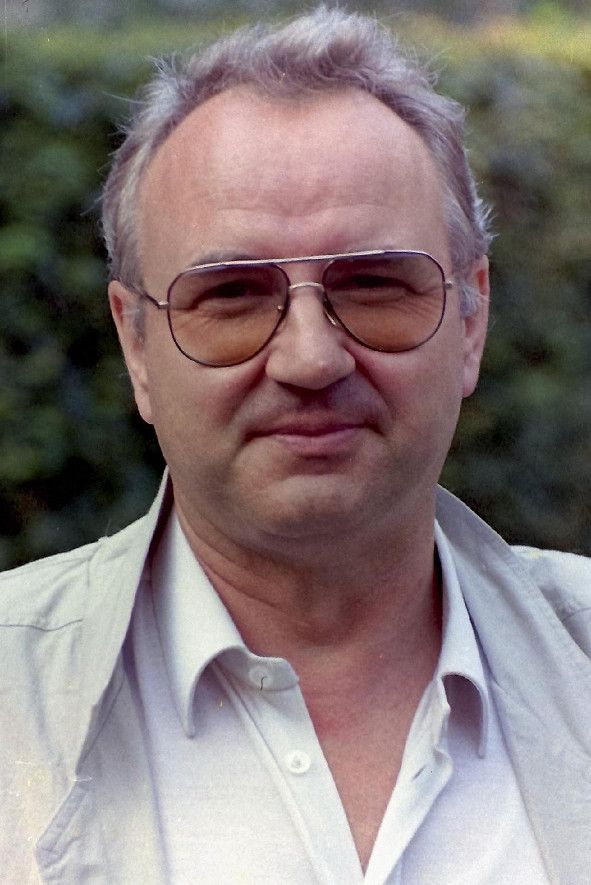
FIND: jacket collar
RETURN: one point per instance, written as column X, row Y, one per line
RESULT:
column 493, row 580
column 496, row 582
column 114, row 574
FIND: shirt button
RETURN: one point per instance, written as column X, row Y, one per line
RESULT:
column 298, row 762
column 260, row 677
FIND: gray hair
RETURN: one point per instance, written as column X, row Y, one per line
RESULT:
column 325, row 50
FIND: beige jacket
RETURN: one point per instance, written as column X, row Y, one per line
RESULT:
column 76, row 803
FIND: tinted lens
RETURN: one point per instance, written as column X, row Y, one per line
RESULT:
column 221, row 316
column 390, row 302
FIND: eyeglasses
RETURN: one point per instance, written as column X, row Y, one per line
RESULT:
column 225, row 313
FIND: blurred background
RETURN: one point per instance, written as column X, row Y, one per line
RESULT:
column 76, row 462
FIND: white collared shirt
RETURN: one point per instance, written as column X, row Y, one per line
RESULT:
column 243, row 790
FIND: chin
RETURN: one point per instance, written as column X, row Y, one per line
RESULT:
column 311, row 507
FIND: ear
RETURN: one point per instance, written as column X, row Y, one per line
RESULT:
column 475, row 327
column 124, row 308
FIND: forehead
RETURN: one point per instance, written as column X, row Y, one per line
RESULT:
column 243, row 163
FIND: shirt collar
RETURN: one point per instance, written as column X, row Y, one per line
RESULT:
column 193, row 624
column 460, row 652
column 195, row 628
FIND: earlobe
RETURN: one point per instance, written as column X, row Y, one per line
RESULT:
column 475, row 327
column 124, row 309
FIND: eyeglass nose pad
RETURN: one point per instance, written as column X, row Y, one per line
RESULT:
column 329, row 311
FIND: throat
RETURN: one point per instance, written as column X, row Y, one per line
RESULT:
column 362, row 724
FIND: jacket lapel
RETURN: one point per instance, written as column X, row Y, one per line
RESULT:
column 541, row 682
column 106, row 830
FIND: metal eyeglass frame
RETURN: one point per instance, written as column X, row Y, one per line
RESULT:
column 331, row 315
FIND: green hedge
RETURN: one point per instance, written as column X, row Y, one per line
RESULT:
column 75, row 461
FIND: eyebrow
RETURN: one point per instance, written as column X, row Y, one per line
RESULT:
column 220, row 256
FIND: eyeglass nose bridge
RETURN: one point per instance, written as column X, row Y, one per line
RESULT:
column 293, row 286
column 328, row 309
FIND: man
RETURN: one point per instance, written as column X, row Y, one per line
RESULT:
column 306, row 663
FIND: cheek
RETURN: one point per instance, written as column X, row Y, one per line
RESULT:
column 193, row 406
column 422, row 389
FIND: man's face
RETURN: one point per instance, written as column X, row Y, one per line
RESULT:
column 316, row 435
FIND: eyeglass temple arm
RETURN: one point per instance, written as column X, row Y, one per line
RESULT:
column 161, row 305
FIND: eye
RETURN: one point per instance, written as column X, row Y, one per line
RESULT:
column 213, row 292
column 237, row 297
column 232, row 289
column 371, row 288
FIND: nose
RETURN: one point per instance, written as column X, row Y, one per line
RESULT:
column 308, row 350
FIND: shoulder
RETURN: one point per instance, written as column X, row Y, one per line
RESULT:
column 52, row 593
column 563, row 581
column 46, row 594
column 557, row 585
column 563, row 578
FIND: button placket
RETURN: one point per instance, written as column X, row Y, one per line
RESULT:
column 303, row 777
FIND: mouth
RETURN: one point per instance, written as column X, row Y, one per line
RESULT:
column 314, row 437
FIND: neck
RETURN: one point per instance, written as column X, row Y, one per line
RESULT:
column 360, row 622
column 360, row 603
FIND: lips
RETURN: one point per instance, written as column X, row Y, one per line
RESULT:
column 305, row 424
column 310, row 429
column 312, row 436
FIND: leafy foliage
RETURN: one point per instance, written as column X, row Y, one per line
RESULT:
column 75, row 461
